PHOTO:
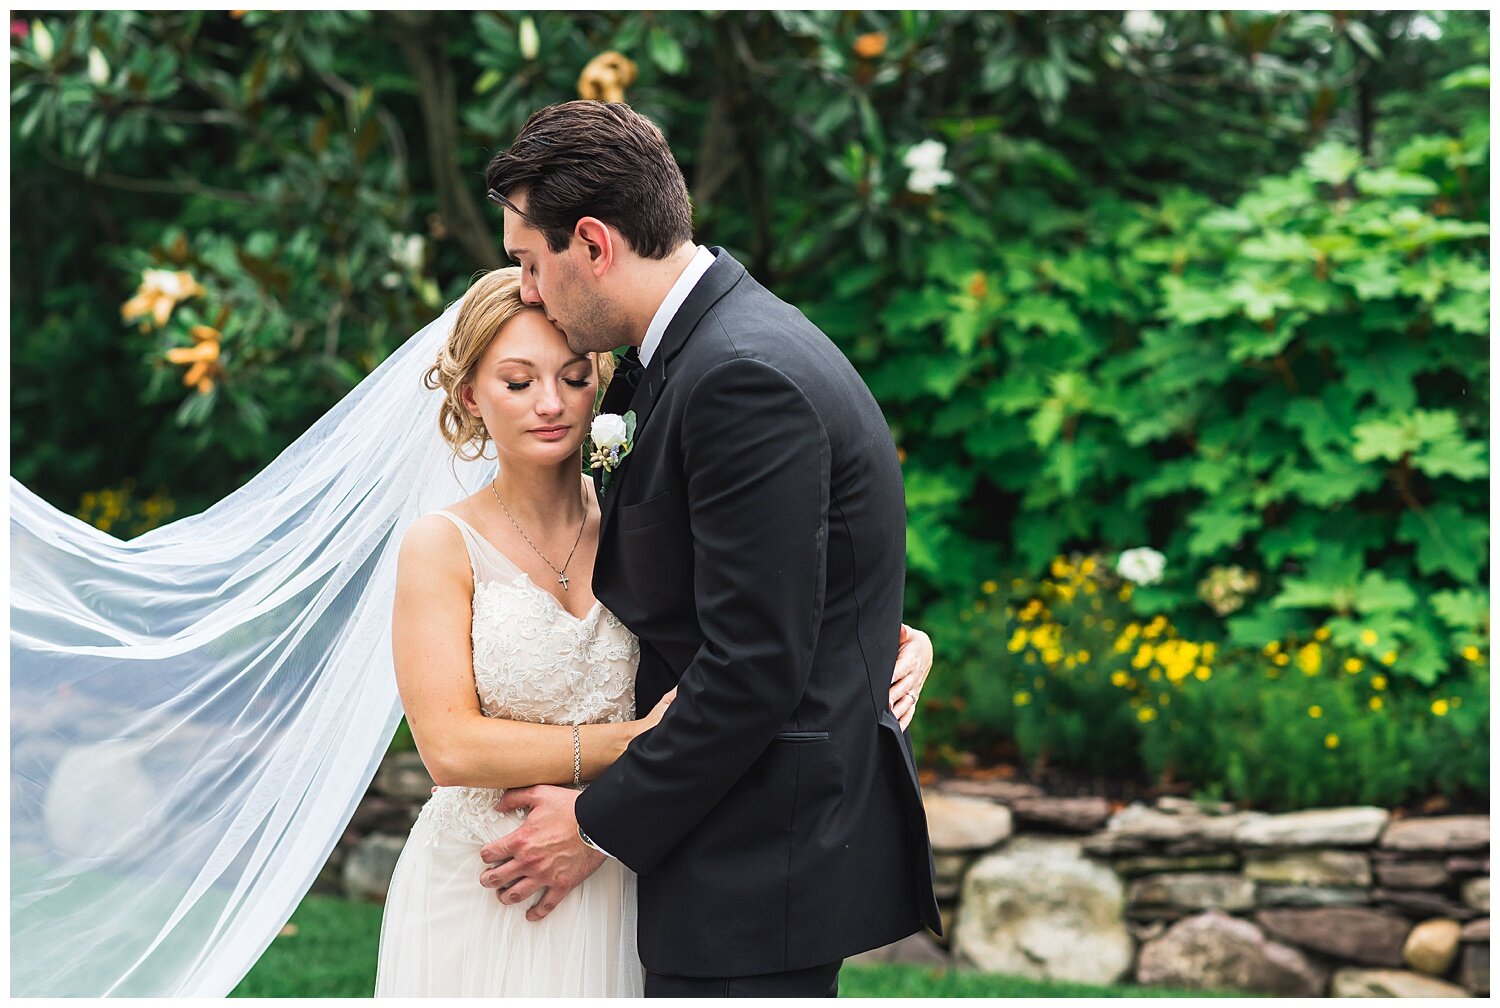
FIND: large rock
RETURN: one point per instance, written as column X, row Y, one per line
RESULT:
column 1423, row 903
column 995, row 790
column 1432, row 946
column 1146, row 864
column 1354, row 934
column 1074, row 815
column 1309, row 868
column 1477, row 930
column 918, row 950
column 1476, row 894
column 959, row 823
column 1354, row 826
column 1216, row 951
column 1438, row 833
column 1352, row 982
column 1039, row 908
column 1413, row 874
column 1474, row 968
column 1190, row 806
column 1182, row 893
column 403, row 777
column 1270, row 895
column 1138, row 829
column 369, row 865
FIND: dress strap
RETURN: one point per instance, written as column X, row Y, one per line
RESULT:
column 483, row 554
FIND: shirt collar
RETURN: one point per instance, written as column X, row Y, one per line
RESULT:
column 699, row 265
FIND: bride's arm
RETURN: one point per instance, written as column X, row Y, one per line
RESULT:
column 433, row 653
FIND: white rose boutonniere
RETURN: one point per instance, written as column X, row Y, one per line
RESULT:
column 611, row 437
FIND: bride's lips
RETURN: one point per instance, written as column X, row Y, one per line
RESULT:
column 550, row 433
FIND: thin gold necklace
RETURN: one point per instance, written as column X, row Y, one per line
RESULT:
column 562, row 578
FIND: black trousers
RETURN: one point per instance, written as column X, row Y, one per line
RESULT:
column 816, row 981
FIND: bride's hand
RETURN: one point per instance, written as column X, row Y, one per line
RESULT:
column 652, row 719
column 913, row 662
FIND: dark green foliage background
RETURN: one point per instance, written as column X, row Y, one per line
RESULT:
column 1216, row 283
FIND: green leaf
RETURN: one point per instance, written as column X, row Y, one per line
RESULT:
column 1464, row 460
column 1191, row 305
column 665, row 52
column 1371, row 278
column 1376, row 593
column 1217, row 529
column 1390, row 182
column 1331, row 581
column 1462, row 610
column 1447, row 540
column 1264, row 624
column 1477, row 76
column 1331, row 162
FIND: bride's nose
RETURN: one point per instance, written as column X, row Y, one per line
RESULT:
column 549, row 401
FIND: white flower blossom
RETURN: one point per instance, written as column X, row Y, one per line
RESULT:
column 608, row 431
column 407, row 252
column 925, row 162
column 41, row 38
column 1143, row 565
column 98, row 67
column 530, row 41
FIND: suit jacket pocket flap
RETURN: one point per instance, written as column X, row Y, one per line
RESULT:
column 659, row 508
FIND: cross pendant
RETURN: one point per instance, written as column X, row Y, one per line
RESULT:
column 562, row 579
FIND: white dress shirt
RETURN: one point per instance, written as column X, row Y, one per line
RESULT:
column 699, row 265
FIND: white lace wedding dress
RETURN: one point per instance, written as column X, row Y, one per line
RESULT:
column 444, row 934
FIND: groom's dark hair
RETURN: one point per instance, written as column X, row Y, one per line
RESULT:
column 595, row 159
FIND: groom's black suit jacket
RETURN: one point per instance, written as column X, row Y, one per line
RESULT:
column 754, row 541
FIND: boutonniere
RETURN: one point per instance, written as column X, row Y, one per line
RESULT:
column 611, row 437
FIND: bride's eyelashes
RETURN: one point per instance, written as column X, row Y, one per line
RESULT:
column 578, row 383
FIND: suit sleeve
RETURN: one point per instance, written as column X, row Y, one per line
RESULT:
column 757, row 464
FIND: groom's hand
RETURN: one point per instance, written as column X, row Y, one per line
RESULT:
column 544, row 853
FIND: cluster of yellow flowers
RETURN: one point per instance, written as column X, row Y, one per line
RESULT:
column 1159, row 660
column 109, row 508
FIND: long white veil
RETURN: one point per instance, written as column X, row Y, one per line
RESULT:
column 196, row 712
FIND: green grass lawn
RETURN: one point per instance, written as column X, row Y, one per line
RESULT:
column 333, row 951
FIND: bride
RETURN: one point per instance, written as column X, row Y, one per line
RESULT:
column 512, row 674
column 196, row 713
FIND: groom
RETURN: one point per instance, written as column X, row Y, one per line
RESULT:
column 753, row 538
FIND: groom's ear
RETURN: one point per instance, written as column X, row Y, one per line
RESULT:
column 597, row 242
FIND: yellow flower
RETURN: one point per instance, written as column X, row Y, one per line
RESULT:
column 1378, row 682
column 1281, row 659
column 1090, row 588
column 1052, row 655
column 1142, row 657
column 1310, row 658
column 1376, row 703
column 1273, row 647
column 1065, row 592
column 1353, row 665
column 1088, row 565
column 1202, row 672
column 159, row 293
column 1368, row 637
column 1330, row 741
column 1155, row 675
column 1059, row 567
column 1146, row 714
column 990, row 587
column 1314, row 711
column 1017, row 640
column 1083, row 655
column 1389, row 658
column 1108, row 626
column 1471, row 652
column 1022, row 698
column 1119, row 678
column 1126, row 591
column 1208, row 651
column 1322, row 633
column 869, row 46
column 203, row 358
column 1017, row 584
column 1439, row 707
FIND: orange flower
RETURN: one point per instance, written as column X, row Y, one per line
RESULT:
column 203, row 358
column 606, row 77
column 870, row 45
column 159, row 293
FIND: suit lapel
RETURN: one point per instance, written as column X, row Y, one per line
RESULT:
column 720, row 278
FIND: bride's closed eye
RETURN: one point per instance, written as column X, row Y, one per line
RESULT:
column 578, row 383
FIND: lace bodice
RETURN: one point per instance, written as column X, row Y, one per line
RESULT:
column 533, row 661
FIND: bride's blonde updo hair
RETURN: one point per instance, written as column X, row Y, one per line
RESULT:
column 491, row 302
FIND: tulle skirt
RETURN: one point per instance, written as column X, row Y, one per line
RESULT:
column 444, row 935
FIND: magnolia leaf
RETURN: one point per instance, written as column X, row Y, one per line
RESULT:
column 1462, row 610
column 1447, row 539
column 665, row 52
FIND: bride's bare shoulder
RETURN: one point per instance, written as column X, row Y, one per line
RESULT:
column 433, row 543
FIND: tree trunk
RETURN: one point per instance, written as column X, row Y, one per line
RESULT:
column 421, row 39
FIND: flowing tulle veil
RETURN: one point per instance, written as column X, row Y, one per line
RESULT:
column 196, row 712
